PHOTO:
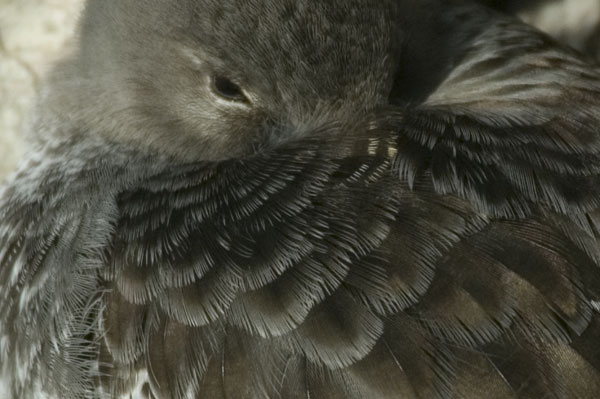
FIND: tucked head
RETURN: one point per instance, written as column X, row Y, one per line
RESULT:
column 203, row 78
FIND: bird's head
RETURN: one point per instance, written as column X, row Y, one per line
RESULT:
column 214, row 79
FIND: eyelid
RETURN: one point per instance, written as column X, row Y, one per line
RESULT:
column 198, row 61
column 244, row 102
column 227, row 88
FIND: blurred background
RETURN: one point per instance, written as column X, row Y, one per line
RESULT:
column 574, row 22
column 33, row 33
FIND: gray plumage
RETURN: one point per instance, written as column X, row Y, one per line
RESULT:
column 299, row 199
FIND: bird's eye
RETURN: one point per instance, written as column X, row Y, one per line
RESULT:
column 226, row 89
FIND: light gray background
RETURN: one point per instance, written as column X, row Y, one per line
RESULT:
column 33, row 33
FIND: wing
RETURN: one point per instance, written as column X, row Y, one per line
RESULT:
column 452, row 254
column 53, row 227
column 341, row 280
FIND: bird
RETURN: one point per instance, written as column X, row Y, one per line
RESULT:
column 294, row 199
